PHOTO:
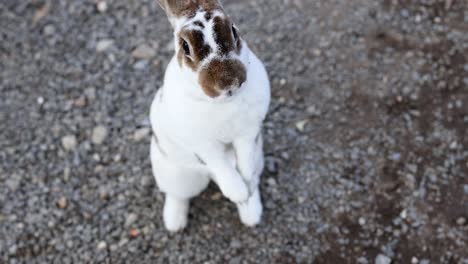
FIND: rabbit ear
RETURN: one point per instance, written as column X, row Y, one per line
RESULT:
column 176, row 7
column 181, row 8
column 161, row 3
column 164, row 4
column 168, row 5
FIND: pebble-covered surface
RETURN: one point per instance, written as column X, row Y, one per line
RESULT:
column 366, row 141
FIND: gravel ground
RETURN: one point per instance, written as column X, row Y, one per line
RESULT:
column 366, row 141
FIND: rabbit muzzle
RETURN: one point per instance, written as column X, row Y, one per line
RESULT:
column 222, row 77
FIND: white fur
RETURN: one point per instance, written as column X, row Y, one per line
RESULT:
column 222, row 132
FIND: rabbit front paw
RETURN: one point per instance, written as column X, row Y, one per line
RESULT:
column 251, row 212
column 235, row 189
column 175, row 214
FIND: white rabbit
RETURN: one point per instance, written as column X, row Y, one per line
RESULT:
column 207, row 117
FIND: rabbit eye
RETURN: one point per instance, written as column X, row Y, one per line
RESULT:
column 234, row 32
column 186, row 47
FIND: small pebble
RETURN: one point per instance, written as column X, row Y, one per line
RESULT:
column 96, row 157
column 453, row 145
column 13, row 182
column 404, row 214
column 113, row 247
column 362, row 260
column 69, row 142
column 104, row 45
column 301, row 125
column 417, row 18
column 147, row 180
column 312, row 110
column 40, row 100
column 103, row 193
column 80, row 102
column 99, row 135
column 12, row 250
column 69, row 244
column 235, row 244
column 382, row 259
column 301, row 199
column 101, row 6
column 49, row 30
column 123, row 242
column 62, row 203
column 271, row 181
column 102, row 245
column 461, row 221
column 134, row 233
column 131, row 218
column 90, row 93
column 140, row 65
column 404, row 13
column 141, row 134
column 271, row 165
column 362, row 221
column 236, row 260
column 395, row 157
column 143, row 52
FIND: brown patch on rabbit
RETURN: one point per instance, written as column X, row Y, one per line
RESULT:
column 220, row 75
column 208, row 16
column 188, row 8
column 226, row 36
column 199, row 24
column 198, row 48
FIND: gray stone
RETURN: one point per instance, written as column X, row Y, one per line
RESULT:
column 382, row 259
column 49, row 30
column 99, row 135
column 143, row 52
column 141, row 134
column 104, row 45
column 101, row 6
column 69, row 142
column 131, row 218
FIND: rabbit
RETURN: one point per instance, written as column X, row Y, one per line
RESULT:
column 207, row 117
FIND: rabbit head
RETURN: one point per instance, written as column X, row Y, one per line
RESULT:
column 209, row 47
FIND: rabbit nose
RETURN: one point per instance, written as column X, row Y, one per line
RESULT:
column 231, row 90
